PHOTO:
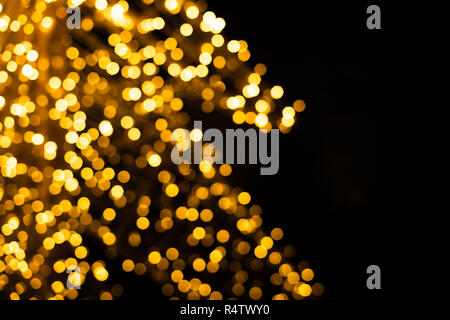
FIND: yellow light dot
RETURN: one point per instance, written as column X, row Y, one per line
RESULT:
column 83, row 203
column 27, row 70
column 127, row 122
column 254, row 78
column 154, row 257
column 206, row 215
column 172, row 253
column 105, row 128
column 109, row 214
column 11, row 66
column 199, row 264
column 128, row 265
column 101, row 274
column 234, row 46
column 277, row 234
column 57, row 286
column 106, row 296
column 158, row 23
column 101, row 4
column 217, row 40
column 14, row 26
column 244, row 198
column 293, row 277
column 304, row 290
column 117, row 12
column 142, row 223
column 267, row 243
column 235, row 102
column 134, row 134
column 285, row 269
column 3, row 76
column 260, row 252
column 109, row 238
column 186, row 29
column 215, row 256
column 176, row 276
column 176, row 104
column 225, row 170
column 81, row 252
column 59, row 266
column 54, row 82
column 255, row 293
column 37, row 139
column 209, row 17
column 72, row 53
column 172, row 190
column 159, row 58
column 288, row 112
column 72, row 137
column 171, row 4
column 205, row 58
column 276, row 92
column 196, row 135
column 275, row 258
column 250, row 91
column 36, row 283
column 192, row 12
column 117, row 191
column 50, row 147
column 261, row 120
column 201, row 71
column 204, row 289
column 199, row 233
column 262, row 106
column 161, row 124
column 287, row 122
column 123, row 176
column 223, row 236
column 154, row 160
column 219, row 62
column 307, row 274
column 47, row 22
column 134, row 94
column 299, row 105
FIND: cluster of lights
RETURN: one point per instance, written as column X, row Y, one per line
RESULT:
column 86, row 129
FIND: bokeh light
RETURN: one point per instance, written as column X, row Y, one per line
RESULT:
column 87, row 183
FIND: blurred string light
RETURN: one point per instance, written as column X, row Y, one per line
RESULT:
column 86, row 182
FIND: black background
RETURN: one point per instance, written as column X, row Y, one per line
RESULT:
column 362, row 167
